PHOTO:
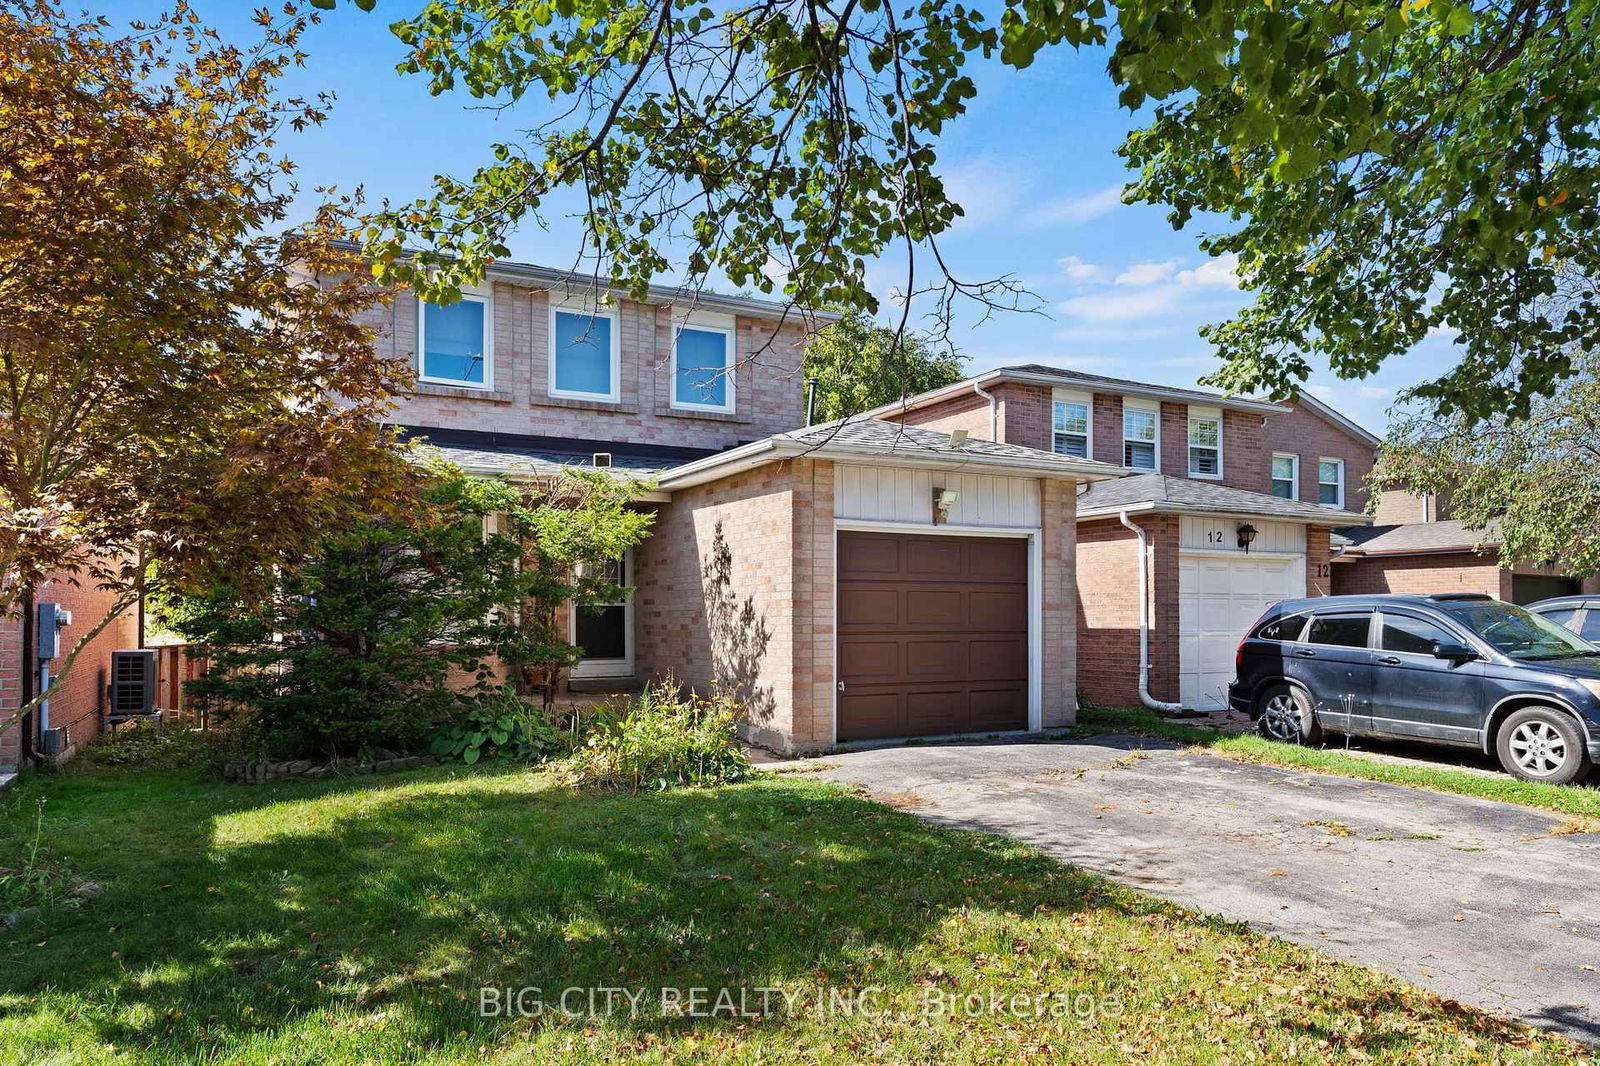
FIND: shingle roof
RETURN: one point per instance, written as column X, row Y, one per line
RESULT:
column 893, row 438
column 1162, row 493
column 1078, row 376
column 513, row 454
column 1417, row 538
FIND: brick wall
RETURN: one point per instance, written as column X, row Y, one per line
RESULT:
column 768, row 391
column 1108, row 610
column 1025, row 415
column 1319, row 571
column 764, row 611
column 77, row 701
column 966, row 410
column 1246, row 461
column 1059, row 602
column 1302, row 432
column 1108, row 428
column 1419, row 575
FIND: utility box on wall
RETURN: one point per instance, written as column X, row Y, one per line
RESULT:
column 53, row 618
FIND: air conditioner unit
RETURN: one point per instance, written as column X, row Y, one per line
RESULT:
column 132, row 691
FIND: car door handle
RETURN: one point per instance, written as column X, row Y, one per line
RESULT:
column 1305, row 653
column 1389, row 660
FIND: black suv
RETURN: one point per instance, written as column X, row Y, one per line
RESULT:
column 1454, row 669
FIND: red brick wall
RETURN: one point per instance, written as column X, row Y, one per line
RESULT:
column 1108, row 610
column 1174, row 439
column 77, row 702
column 1246, row 462
column 1025, row 415
column 1108, row 428
column 768, row 393
column 1302, row 432
column 1059, row 588
column 1419, row 575
column 966, row 410
column 1319, row 572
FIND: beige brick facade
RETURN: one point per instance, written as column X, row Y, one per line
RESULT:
column 768, row 390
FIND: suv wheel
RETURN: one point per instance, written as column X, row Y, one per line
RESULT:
column 1541, row 744
column 1286, row 716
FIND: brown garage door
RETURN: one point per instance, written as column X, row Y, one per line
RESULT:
column 933, row 634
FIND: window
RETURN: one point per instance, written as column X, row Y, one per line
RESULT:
column 454, row 343
column 1330, row 482
column 1340, row 630
column 605, row 630
column 1205, row 443
column 1518, row 634
column 585, row 352
column 1286, row 477
column 1563, row 616
column 702, row 368
column 1071, row 426
column 1286, row 628
column 1413, row 636
column 1140, row 437
column 1590, row 629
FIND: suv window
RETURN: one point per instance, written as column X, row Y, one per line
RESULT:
column 1561, row 615
column 1413, row 636
column 1285, row 628
column 1590, row 630
column 1343, row 630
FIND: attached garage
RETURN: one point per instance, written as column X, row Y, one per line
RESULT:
column 1218, row 597
column 933, row 634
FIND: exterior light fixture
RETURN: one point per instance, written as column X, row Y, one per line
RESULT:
column 1247, row 536
column 943, row 500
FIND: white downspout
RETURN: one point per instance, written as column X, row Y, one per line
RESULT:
column 994, row 412
column 1144, row 625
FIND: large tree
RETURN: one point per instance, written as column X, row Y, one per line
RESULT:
column 183, row 385
column 858, row 366
column 1380, row 167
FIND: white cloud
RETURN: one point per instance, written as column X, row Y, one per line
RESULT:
column 1075, row 209
column 1081, row 272
column 1148, row 273
column 1222, row 271
column 986, row 189
column 1321, row 392
column 1374, row 392
column 1122, row 306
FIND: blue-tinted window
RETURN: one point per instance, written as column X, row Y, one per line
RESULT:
column 583, row 353
column 702, row 377
column 453, row 342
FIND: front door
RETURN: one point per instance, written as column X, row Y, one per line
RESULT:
column 933, row 634
column 1415, row 694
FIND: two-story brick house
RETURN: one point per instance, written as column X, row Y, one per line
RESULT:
column 1230, row 504
column 855, row 580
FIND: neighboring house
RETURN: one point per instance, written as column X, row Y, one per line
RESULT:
column 854, row 581
column 1435, row 555
column 1232, row 500
column 79, row 702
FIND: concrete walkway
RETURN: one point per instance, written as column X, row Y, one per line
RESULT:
column 1487, row 903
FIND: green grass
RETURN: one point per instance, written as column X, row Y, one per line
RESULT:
column 1578, row 800
column 355, row 921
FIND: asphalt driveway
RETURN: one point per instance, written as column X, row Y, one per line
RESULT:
column 1483, row 902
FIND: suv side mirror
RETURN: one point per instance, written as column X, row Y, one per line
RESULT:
column 1456, row 653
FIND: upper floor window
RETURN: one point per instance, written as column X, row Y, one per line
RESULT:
column 1070, row 432
column 454, row 343
column 1141, row 436
column 1205, row 443
column 1330, row 482
column 1286, row 477
column 702, row 364
column 585, row 352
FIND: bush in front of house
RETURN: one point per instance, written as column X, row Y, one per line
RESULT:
column 661, row 738
column 501, row 725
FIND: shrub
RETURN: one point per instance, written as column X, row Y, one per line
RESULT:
column 660, row 739
column 142, row 746
column 501, row 725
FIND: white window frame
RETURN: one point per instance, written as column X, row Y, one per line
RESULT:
column 482, row 295
column 1340, row 462
column 1294, row 476
column 590, row 308
column 709, row 323
column 1202, row 414
column 1153, row 409
column 1058, row 396
column 623, row 667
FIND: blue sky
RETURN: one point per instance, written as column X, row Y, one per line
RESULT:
column 1034, row 164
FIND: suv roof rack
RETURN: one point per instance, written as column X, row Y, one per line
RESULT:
column 1445, row 596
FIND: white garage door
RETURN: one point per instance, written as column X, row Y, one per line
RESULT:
column 1218, row 598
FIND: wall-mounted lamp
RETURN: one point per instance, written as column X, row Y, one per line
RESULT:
column 943, row 500
column 1247, row 536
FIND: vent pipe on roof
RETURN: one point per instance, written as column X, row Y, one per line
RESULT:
column 811, row 401
column 1144, row 625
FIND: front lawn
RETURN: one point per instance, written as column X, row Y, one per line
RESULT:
column 357, row 920
column 1580, row 800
